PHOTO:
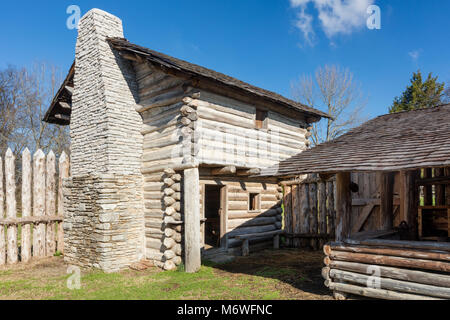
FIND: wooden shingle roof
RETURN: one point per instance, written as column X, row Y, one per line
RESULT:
column 220, row 79
column 400, row 141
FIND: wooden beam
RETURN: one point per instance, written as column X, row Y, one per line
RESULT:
column 69, row 90
column 62, row 117
column 386, row 217
column 191, row 194
column 364, row 215
column 343, row 205
column 223, row 171
column 248, row 172
column 65, row 106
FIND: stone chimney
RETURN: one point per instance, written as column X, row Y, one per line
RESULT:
column 104, row 222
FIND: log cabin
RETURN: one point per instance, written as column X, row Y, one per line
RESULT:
column 395, row 257
column 165, row 155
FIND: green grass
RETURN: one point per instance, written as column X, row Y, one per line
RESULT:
column 131, row 285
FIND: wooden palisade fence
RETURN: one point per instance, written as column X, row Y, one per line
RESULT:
column 41, row 216
column 309, row 212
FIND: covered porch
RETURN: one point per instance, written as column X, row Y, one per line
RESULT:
column 404, row 252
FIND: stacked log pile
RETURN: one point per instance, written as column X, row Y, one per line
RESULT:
column 388, row 269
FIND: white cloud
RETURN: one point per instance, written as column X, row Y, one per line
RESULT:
column 414, row 55
column 335, row 16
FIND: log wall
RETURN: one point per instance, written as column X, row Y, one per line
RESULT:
column 164, row 131
column 43, row 215
column 239, row 219
column 186, row 127
column 227, row 134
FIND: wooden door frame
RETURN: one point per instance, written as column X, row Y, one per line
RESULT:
column 223, row 212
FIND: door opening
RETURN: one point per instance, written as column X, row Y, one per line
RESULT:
column 212, row 216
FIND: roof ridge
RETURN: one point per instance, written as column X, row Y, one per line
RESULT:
column 185, row 66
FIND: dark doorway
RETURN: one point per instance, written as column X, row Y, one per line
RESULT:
column 212, row 216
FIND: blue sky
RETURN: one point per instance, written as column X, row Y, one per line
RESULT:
column 256, row 41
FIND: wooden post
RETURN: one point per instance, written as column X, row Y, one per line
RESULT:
column 288, row 227
column 386, row 217
column 276, row 241
column 295, row 206
column 39, row 202
column 428, row 189
column 440, row 189
column 50, row 203
column 304, row 212
column 447, row 187
column 343, row 205
column 313, row 225
column 63, row 174
column 2, row 229
column 331, row 212
column 245, row 247
column 409, row 200
column 10, row 168
column 191, row 191
column 26, row 205
column 322, row 211
column 223, row 217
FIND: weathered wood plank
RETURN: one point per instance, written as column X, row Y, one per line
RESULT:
column 2, row 230
column 191, row 182
column 343, row 205
column 50, row 203
column 39, row 202
column 26, row 205
column 313, row 226
column 10, row 168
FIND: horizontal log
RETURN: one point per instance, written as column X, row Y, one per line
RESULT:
column 308, row 235
column 435, row 279
column 258, row 235
column 390, row 284
column 389, row 261
column 440, row 246
column 406, row 253
column 30, row 220
column 243, row 214
column 236, row 223
column 251, row 230
column 248, row 172
column 375, row 293
column 223, row 171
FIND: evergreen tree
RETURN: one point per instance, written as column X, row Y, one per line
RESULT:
column 419, row 94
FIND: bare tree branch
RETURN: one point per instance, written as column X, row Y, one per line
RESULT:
column 334, row 91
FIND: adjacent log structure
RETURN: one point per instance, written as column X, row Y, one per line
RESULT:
column 396, row 245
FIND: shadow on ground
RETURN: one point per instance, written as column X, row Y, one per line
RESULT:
column 298, row 271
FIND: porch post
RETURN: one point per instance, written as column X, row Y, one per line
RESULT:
column 409, row 200
column 386, row 217
column 191, row 194
column 343, row 205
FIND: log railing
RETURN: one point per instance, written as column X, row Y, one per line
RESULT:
column 33, row 228
column 388, row 269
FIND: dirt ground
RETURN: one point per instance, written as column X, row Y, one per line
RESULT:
column 298, row 272
column 286, row 274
